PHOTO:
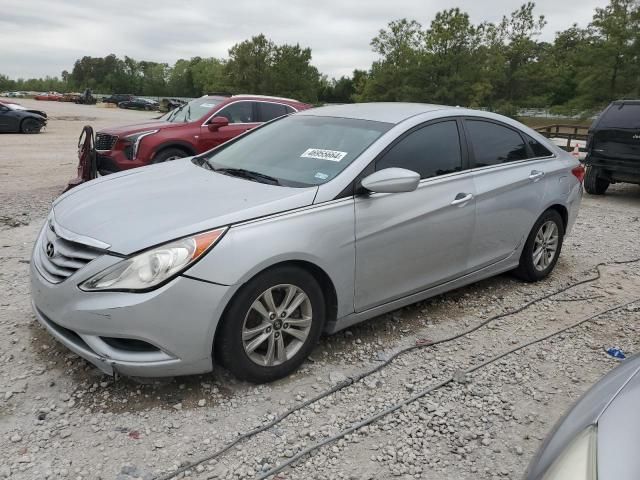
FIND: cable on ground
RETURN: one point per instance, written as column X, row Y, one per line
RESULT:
column 427, row 391
column 356, row 378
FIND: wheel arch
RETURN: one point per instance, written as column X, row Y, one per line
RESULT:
column 562, row 210
column 179, row 144
column 318, row 273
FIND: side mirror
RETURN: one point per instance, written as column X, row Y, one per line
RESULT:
column 217, row 123
column 391, row 180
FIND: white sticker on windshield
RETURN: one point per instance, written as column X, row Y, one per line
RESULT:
column 321, row 176
column 207, row 105
column 331, row 155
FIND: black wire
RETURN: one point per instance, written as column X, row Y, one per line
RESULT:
column 423, row 393
column 356, row 378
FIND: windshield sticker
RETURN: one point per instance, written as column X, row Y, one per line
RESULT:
column 321, row 176
column 207, row 105
column 331, row 155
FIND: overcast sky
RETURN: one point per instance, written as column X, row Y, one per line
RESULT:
column 44, row 37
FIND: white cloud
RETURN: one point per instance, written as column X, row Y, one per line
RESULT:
column 40, row 37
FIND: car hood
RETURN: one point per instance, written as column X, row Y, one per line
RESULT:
column 140, row 208
column 138, row 127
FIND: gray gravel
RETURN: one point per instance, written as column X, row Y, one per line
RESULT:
column 60, row 418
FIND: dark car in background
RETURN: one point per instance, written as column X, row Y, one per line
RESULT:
column 15, row 118
column 613, row 147
column 139, row 104
column 195, row 127
column 117, row 98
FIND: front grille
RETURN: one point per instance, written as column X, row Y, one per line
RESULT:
column 105, row 141
column 60, row 258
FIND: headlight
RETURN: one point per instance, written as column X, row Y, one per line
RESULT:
column 578, row 459
column 136, row 138
column 153, row 267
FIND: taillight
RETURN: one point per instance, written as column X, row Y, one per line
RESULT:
column 578, row 172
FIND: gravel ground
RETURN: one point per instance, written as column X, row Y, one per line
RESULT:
column 61, row 418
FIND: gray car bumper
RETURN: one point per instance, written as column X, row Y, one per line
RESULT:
column 166, row 332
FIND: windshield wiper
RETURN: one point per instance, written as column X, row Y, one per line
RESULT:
column 248, row 174
column 175, row 112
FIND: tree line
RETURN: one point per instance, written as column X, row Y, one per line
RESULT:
column 502, row 66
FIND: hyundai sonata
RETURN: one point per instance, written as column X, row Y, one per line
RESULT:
column 309, row 224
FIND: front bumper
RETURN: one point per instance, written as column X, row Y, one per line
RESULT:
column 112, row 161
column 175, row 323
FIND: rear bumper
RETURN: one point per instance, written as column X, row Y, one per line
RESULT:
column 573, row 206
column 174, row 324
column 621, row 170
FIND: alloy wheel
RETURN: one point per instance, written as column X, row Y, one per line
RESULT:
column 545, row 245
column 277, row 325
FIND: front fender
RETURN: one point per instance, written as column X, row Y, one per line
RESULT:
column 319, row 234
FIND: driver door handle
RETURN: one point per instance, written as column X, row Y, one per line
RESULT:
column 462, row 198
column 536, row 175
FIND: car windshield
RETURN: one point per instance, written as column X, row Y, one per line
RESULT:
column 192, row 110
column 300, row 150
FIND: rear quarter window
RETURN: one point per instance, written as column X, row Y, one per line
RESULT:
column 537, row 148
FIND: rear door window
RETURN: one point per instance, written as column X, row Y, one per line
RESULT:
column 430, row 151
column 268, row 111
column 625, row 115
column 494, row 144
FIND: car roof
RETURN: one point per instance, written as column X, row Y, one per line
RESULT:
column 389, row 112
column 248, row 96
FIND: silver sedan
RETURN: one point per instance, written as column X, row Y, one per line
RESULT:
column 308, row 224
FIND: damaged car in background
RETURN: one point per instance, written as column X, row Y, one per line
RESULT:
column 308, row 224
column 15, row 118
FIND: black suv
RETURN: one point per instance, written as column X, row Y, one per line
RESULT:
column 117, row 98
column 613, row 147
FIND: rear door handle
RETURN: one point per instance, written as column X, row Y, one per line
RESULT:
column 536, row 175
column 462, row 198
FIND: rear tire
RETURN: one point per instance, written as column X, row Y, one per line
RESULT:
column 169, row 154
column 594, row 184
column 542, row 248
column 30, row 125
column 261, row 344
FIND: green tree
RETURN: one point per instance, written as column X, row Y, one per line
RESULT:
column 248, row 67
column 394, row 77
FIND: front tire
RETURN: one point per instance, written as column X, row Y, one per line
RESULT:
column 30, row 125
column 169, row 154
column 271, row 325
column 594, row 184
column 542, row 248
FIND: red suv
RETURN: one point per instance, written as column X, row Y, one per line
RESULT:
column 195, row 127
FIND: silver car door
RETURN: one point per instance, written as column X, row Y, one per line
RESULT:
column 407, row 242
column 510, row 189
